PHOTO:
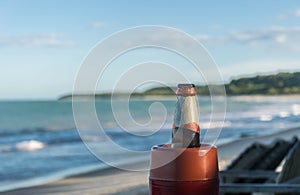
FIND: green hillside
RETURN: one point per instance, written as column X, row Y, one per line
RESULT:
column 281, row 83
column 276, row 84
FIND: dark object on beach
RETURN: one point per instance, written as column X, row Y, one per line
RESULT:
column 260, row 157
column 185, row 166
column 254, row 170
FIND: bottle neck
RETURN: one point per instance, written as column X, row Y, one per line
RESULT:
column 189, row 113
column 186, row 113
column 186, row 131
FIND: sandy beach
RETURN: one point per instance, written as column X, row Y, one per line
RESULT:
column 118, row 182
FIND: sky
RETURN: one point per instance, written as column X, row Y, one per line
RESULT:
column 43, row 43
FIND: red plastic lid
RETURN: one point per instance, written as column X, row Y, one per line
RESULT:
column 184, row 164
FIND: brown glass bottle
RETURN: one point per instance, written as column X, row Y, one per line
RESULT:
column 185, row 130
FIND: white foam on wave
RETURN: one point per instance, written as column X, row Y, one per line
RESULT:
column 30, row 145
column 296, row 109
column 213, row 125
column 284, row 114
column 265, row 117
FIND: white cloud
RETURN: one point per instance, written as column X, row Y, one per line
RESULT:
column 276, row 37
column 45, row 40
column 293, row 14
column 273, row 37
column 263, row 34
column 98, row 24
column 281, row 38
column 211, row 39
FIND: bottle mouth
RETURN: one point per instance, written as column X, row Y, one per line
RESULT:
column 186, row 90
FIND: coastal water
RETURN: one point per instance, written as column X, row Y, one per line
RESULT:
column 39, row 141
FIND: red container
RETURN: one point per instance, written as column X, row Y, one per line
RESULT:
column 184, row 171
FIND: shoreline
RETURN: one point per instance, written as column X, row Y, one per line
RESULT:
column 171, row 97
column 114, row 181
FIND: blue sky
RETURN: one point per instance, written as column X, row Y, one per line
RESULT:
column 43, row 43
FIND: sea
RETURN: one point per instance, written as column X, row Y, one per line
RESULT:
column 40, row 141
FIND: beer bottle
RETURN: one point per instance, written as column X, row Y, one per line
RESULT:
column 186, row 130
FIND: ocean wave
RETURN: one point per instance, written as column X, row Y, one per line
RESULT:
column 6, row 148
column 10, row 132
column 46, row 136
column 35, row 140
